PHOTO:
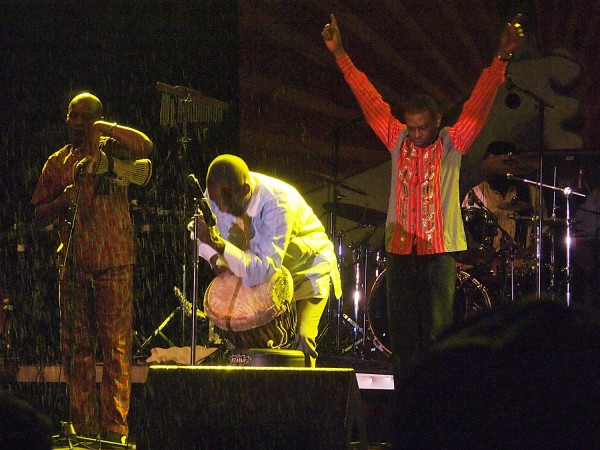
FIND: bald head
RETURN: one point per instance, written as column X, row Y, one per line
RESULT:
column 228, row 183
column 229, row 170
column 91, row 103
column 84, row 110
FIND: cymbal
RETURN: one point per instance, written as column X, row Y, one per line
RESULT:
column 519, row 206
column 510, row 163
column 555, row 222
column 357, row 213
column 332, row 181
column 551, row 222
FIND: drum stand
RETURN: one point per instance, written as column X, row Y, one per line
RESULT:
column 361, row 264
column 508, row 246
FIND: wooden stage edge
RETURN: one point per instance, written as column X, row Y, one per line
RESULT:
column 139, row 374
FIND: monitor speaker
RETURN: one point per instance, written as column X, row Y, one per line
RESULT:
column 196, row 407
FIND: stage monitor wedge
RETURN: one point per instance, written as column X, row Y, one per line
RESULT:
column 201, row 407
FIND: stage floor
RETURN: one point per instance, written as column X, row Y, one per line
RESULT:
column 44, row 387
column 370, row 374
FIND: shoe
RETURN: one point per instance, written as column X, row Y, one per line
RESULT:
column 116, row 438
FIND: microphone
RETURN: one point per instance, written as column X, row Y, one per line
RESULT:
column 580, row 180
column 470, row 197
column 82, row 165
column 198, row 193
column 209, row 215
column 474, row 200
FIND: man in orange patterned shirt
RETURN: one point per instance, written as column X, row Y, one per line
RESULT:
column 83, row 190
column 424, row 225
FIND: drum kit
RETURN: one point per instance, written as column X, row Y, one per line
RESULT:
column 531, row 260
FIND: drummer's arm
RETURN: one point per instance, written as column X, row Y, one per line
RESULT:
column 267, row 249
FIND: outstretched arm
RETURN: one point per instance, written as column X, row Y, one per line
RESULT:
column 377, row 112
column 476, row 110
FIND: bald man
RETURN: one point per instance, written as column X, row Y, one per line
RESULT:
column 263, row 224
column 85, row 184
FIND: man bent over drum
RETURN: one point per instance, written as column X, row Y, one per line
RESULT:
column 263, row 224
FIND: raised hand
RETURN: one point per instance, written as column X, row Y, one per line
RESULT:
column 332, row 37
column 511, row 37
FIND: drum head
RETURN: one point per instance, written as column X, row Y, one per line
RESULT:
column 377, row 314
column 233, row 306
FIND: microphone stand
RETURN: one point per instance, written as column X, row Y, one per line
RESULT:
column 541, row 105
column 68, row 430
column 196, row 258
column 201, row 207
column 567, row 191
column 69, row 307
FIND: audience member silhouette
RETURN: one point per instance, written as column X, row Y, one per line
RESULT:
column 523, row 376
column 22, row 427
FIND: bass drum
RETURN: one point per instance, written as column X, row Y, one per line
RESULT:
column 471, row 297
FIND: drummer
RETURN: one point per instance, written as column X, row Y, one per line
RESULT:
column 263, row 224
column 512, row 203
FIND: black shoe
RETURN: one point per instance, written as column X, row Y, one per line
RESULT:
column 114, row 440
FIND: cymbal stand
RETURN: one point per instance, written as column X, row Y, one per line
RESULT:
column 341, row 262
column 568, row 192
column 335, row 303
column 552, row 281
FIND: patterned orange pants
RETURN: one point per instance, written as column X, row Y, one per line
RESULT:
column 97, row 314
